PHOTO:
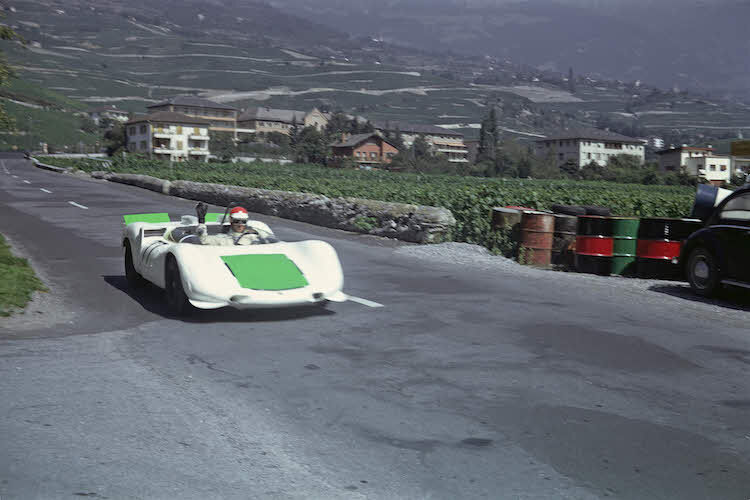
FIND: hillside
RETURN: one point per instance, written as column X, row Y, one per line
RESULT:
column 247, row 53
column 665, row 43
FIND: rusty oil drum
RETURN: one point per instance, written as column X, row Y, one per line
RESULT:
column 659, row 245
column 594, row 245
column 537, row 232
column 564, row 240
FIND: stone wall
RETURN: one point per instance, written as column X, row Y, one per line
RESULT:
column 414, row 223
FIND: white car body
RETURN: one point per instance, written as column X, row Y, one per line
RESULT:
column 209, row 283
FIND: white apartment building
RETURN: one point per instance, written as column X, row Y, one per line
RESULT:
column 716, row 169
column 169, row 136
column 584, row 146
column 442, row 141
column 676, row 159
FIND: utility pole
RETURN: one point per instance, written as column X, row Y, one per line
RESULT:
column 31, row 141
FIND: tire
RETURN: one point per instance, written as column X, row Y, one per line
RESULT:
column 703, row 273
column 596, row 210
column 134, row 279
column 568, row 209
column 176, row 298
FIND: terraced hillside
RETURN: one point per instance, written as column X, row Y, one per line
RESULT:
column 247, row 53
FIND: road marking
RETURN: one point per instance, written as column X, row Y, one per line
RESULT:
column 26, row 182
column 45, row 190
column 77, row 205
column 364, row 302
column 15, row 177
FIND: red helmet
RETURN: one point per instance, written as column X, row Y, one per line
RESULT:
column 238, row 213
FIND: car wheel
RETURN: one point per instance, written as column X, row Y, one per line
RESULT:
column 135, row 280
column 176, row 299
column 702, row 272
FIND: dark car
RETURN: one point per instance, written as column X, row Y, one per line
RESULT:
column 718, row 254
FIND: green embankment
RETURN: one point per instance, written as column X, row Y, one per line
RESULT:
column 469, row 198
column 18, row 281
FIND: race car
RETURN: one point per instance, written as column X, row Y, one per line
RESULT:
column 271, row 273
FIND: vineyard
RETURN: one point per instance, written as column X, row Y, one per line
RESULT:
column 469, row 198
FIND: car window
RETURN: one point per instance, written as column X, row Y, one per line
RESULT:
column 737, row 208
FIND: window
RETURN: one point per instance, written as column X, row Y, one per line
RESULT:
column 723, row 168
column 196, row 131
column 179, row 144
column 143, row 129
column 179, row 130
column 560, row 155
column 738, row 208
column 143, row 146
column 131, row 131
column 712, row 168
column 373, row 155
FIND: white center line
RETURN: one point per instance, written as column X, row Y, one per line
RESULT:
column 45, row 190
column 77, row 205
column 364, row 302
column 15, row 177
column 26, row 182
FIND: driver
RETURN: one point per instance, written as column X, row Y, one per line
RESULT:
column 239, row 233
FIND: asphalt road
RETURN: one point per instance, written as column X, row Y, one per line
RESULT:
column 469, row 382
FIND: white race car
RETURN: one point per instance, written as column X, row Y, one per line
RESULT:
column 268, row 274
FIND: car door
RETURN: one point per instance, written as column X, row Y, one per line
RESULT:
column 733, row 226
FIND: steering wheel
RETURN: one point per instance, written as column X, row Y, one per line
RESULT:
column 187, row 237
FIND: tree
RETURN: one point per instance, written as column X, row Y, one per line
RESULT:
column 571, row 81
column 488, row 137
column 311, row 146
column 6, row 73
column 421, row 148
column 88, row 125
column 222, row 145
column 115, row 139
column 293, row 133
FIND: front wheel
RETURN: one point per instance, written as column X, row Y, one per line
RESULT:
column 703, row 273
column 176, row 298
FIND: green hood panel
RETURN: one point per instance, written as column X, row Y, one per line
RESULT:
column 265, row 271
column 161, row 217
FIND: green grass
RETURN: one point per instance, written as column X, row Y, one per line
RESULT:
column 56, row 128
column 18, row 281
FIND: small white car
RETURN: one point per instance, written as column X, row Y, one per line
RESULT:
column 264, row 275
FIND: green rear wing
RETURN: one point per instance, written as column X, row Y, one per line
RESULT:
column 163, row 217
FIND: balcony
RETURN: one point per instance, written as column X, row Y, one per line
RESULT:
column 198, row 151
column 453, row 150
column 197, row 137
column 162, row 150
column 163, row 134
column 458, row 160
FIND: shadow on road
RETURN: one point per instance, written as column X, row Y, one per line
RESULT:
column 151, row 298
column 729, row 297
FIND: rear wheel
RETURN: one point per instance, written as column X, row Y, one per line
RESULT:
column 135, row 280
column 176, row 298
column 703, row 273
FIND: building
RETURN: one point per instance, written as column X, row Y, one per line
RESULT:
column 365, row 149
column 108, row 112
column 715, row 169
column 169, row 136
column 442, row 141
column 676, row 159
column 584, row 146
column 221, row 117
column 265, row 120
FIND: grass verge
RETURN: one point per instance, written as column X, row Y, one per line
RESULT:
column 18, row 281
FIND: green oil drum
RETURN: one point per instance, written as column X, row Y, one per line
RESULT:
column 625, row 235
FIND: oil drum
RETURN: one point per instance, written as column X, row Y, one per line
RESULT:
column 537, row 230
column 659, row 245
column 564, row 240
column 624, row 245
column 594, row 244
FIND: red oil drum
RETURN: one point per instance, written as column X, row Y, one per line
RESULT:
column 594, row 245
column 537, row 232
column 659, row 245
